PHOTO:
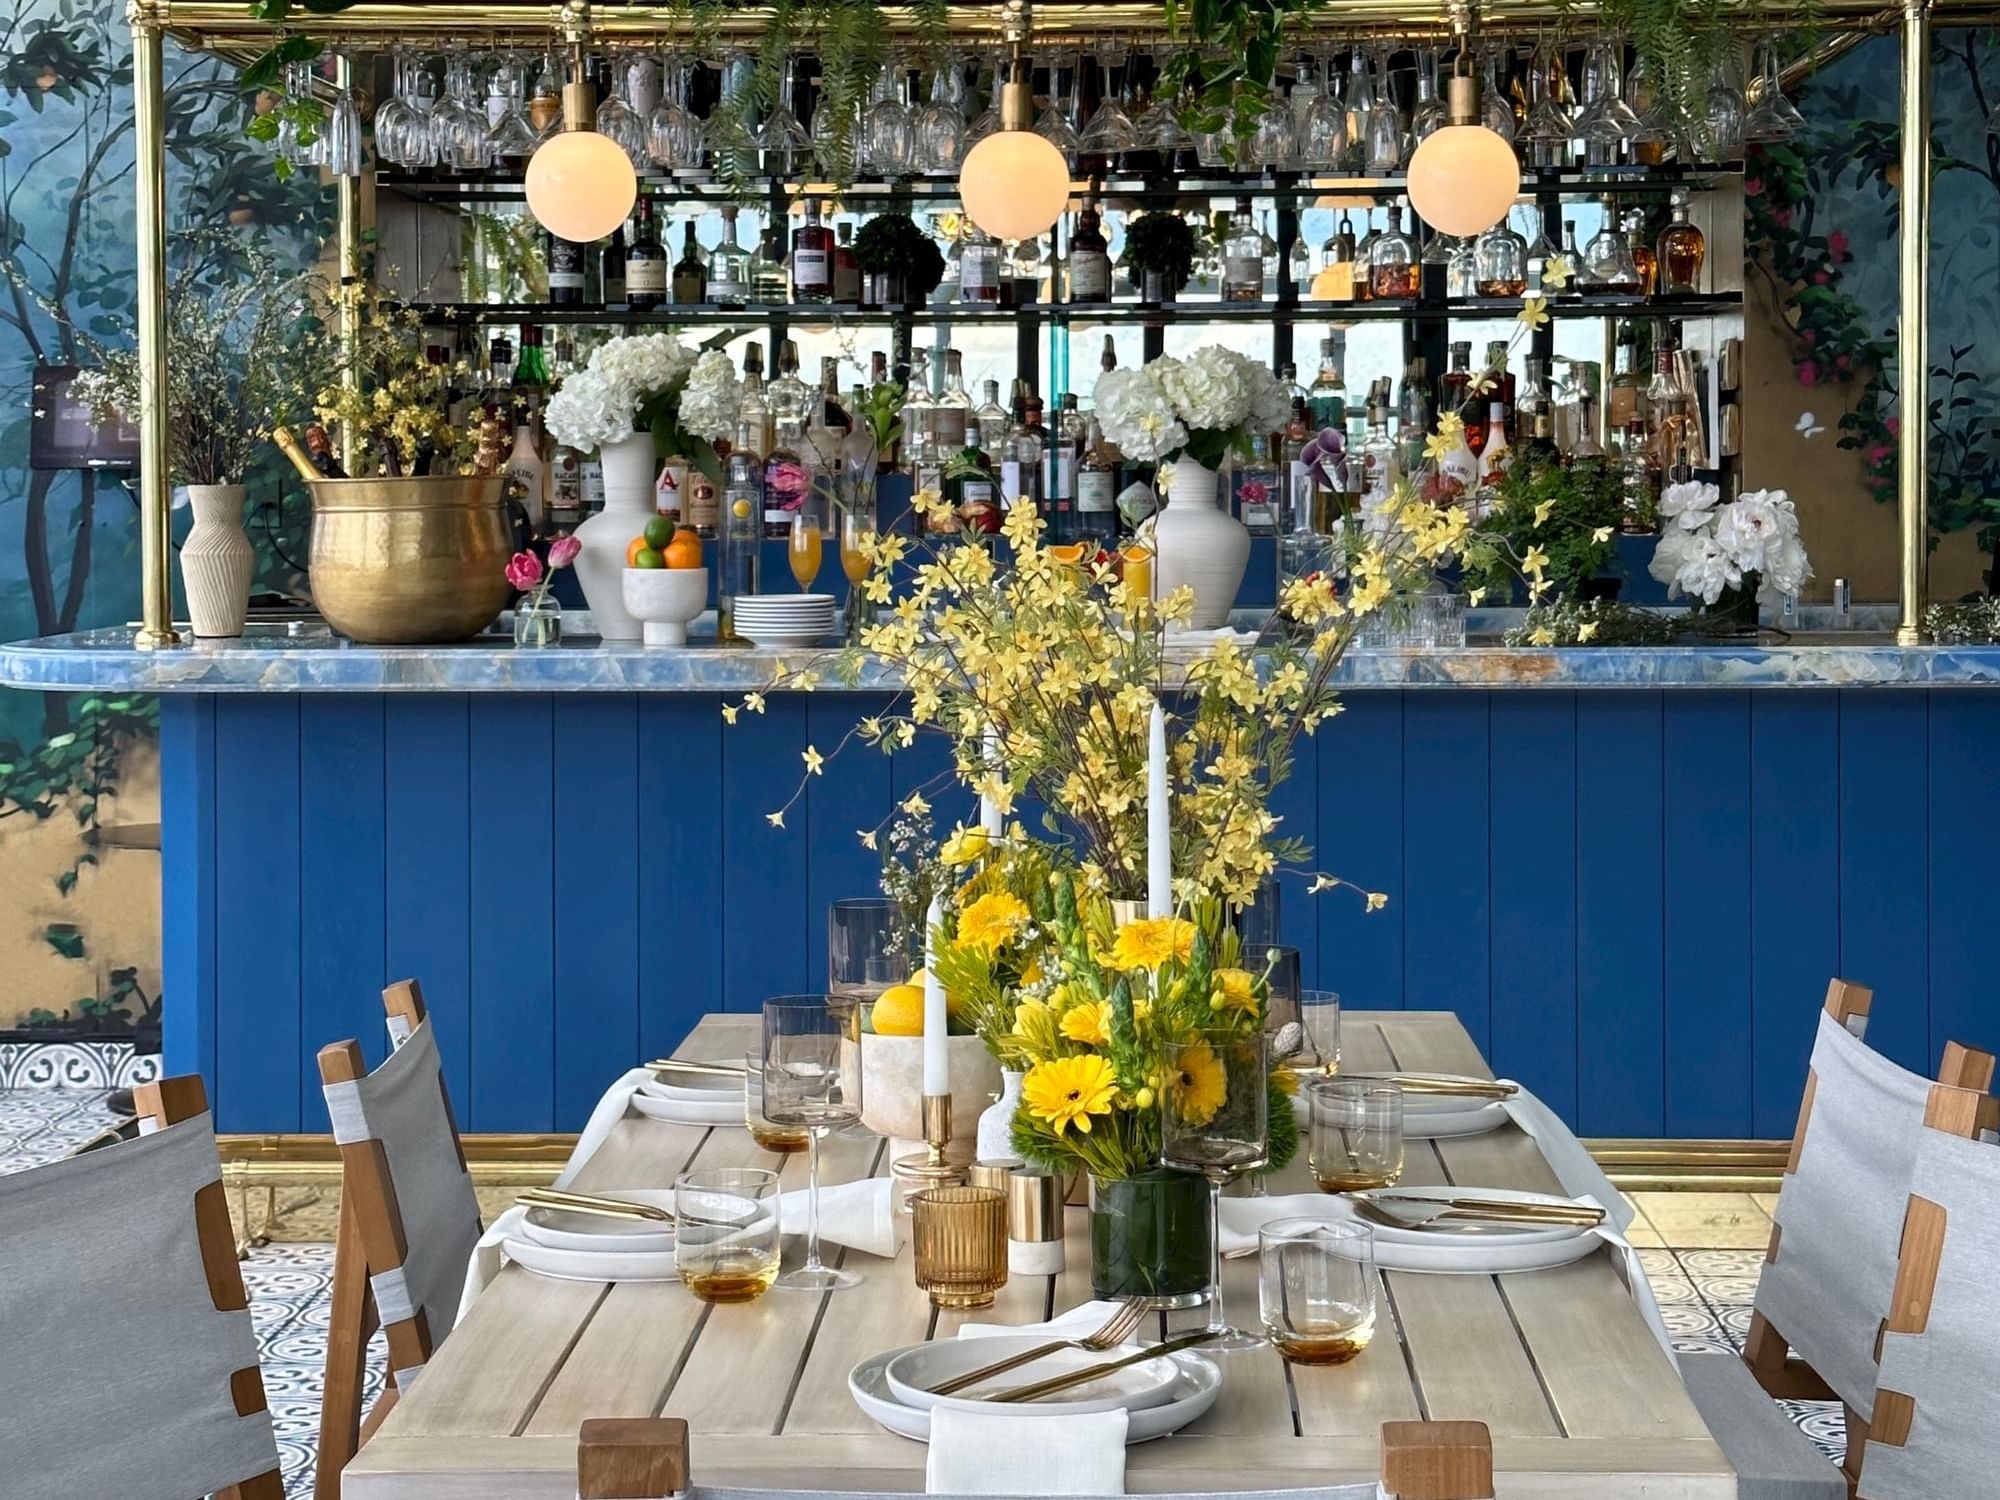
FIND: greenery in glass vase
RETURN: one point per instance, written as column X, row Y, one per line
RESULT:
column 892, row 245
column 1162, row 243
column 1565, row 517
column 247, row 349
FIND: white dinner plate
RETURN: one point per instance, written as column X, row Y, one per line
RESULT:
column 1463, row 1117
column 910, row 1373
column 786, row 601
column 591, row 1265
column 695, row 1088
column 600, row 1234
column 689, row 1111
column 1472, row 1254
column 1461, row 1229
column 773, row 640
column 1200, row 1383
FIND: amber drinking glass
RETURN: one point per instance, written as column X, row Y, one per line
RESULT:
column 960, row 1238
column 726, row 1232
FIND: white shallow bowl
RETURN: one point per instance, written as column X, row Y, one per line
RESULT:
column 703, row 1088
column 1199, row 1384
column 1439, row 1119
column 591, row 1265
column 599, row 1234
column 1473, row 1254
column 911, row 1371
column 787, row 601
column 724, row 1111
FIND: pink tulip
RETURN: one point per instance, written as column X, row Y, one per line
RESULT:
column 1752, row 186
column 1808, row 374
column 524, row 570
column 563, row 551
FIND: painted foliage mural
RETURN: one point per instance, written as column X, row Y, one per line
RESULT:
column 79, row 868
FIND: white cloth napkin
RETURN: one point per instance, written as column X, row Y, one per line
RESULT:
column 613, row 1107
column 1026, row 1453
column 859, row 1215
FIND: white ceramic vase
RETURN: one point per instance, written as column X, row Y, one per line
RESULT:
column 996, row 1125
column 217, row 560
column 630, row 468
column 1199, row 544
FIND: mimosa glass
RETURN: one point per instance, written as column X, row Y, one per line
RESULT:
column 804, row 551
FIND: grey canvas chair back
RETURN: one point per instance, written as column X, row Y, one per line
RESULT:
column 128, row 1367
column 1935, row 1435
column 646, row 1458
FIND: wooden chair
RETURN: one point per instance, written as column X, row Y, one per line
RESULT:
column 1933, row 1435
column 128, row 1365
column 646, row 1458
column 408, row 1222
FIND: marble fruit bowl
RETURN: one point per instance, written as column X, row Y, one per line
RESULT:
column 892, row 1089
column 665, row 601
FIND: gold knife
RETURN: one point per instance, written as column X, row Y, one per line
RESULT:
column 1578, row 1212
column 1056, row 1383
column 588, row 1203
column 1427, row 1083
column 688, row 1065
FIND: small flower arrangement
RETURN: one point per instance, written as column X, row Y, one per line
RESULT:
column 1161, row 244
column 535, row 609
column 1708, row 548
column 1203, row 407
column 650, row 383
column 892, row 245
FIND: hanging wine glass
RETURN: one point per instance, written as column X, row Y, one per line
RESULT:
column 727, row 133
column 940, row 143
column 458, row 127
column 1385, row 125
column 1322, row 136
column 781, row 140
column 1495, row 112
column 620, row 124
column 1057, row 124
column 1428, row 115
column 402, row 121
column 1770, row 116
column 1541, row 247
column 510, row 138
column 300, row 142
column 1550, row 125
column 1271, row 142
column 1647, row 102
column 836, row 136
column 1110, row 133
column 889, row 129
column 343, row 132
column 1609, row 121
column 673, row 136
column 1723, row 111
column 1359, row 99
column 640, row 75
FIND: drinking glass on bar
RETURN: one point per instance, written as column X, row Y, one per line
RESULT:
column 1316, row 1288
column 1319, row 1015
column 784, row 1138
column 726, row 1232
column 1357, row 1133
column 1215, row 1120
column 864, row 949
column 812, row 1080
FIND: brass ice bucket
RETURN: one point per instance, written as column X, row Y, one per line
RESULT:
column 410, row 561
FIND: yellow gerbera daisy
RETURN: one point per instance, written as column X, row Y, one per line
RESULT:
column 1067, row 1091
column 992, row 920
column 1233, row 989
column 1198, row 1083
column 1151, row 941
column 1089, row 1023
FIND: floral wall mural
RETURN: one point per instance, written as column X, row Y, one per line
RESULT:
column 79, row 869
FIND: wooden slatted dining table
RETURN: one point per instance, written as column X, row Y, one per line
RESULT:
column 1581, row 1401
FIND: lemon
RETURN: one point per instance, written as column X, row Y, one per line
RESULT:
column 899, row 1011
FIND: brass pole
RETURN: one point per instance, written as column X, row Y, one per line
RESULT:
column 1912, row 324
column 348, row 229
column 149, row 169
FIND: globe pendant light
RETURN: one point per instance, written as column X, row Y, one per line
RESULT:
column 1463, row 178
column 1014, row 183
column 581, row 185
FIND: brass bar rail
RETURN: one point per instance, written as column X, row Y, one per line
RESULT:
column 1913, row 362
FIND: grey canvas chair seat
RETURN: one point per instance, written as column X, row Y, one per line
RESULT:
column 128, row 1367
column 1773, row 1459
column 1936, row 1431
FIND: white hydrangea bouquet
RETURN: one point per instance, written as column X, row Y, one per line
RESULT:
column 1203, row 407
column 651, row 382
column 1707, row 549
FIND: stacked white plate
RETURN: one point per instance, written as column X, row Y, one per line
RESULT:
column 691, row 1099
column 595, row 1247
column 1470, row 1248
column 1436, row 1116
column 784, row 619
column 1161, row 1395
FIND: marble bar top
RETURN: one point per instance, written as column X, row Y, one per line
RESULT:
column 308, row 658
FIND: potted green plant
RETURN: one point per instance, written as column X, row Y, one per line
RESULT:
column 1159, row 254
column 900, row 265
column 1566, row 518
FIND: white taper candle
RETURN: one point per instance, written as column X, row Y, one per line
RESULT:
column 990, row 817
column 1159, row 837
column 936, row 1075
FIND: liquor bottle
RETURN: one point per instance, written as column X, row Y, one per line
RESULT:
column 565, row 261
column 1243, row 258
column 1254, row 483
column 812, row 258
column 1541, row 439
column 611, row 285
column 1364, row 258
column 1627, row 399
column 1393, row 268
column 789, row 397
column 645, row 261
column 565, row 489
column 990, row 417
column 1495, row 456
column 770, row 285
column 1065, row 456
column 755, row 409
column 1674, row 420
column 1635, row 466
column 531, row 371
column 1021, row 459
column 1329, row 387
column 918, row 403
column 526, row 473
column 690, row 275
column 1461, row 464
column 1089, row 259
column 729, row 266
column 1269, row 247
column 1107, row 361
column 1573, row 258
column 1455, row 385
column 1500, row 391
column 1643, row 258
column 1336, row 279
column 741, row 530
column 787, row 479
column 701, row 510
column 1683, row 248
column 1607, row 259
column 951, row 415
column 1500, row 263
column 1378, row 461
column 979, row 267
column 1025, row 274
column 1413, row 415
column 832, row 413
column 846, row 270
column 319, row 448
column 1096, row 486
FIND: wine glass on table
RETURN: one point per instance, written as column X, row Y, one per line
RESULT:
column 1216, row 1121
column 812, row 1080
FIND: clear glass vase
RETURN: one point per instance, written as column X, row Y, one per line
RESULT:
column 1149, row 1237
column 537, row 622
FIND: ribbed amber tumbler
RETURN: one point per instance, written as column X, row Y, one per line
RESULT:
column 960, row 1235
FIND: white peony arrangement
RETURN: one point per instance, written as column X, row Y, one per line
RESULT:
column 649, row 382
column 1706, row 547
column 1202, row 407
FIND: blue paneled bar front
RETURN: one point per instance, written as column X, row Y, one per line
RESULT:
column 1631, row 873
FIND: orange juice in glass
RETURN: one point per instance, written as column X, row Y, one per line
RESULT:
column 804, row 551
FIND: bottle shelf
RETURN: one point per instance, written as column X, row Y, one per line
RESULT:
column 500, row 185
column 1080, row 315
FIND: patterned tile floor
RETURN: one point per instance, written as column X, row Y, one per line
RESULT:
column 1701, row 1252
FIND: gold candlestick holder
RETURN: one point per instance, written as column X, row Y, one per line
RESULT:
column 928, row 1168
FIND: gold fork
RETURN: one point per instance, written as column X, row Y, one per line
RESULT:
column 591, row 1203
column 688, row 1065
column 1116, row 1329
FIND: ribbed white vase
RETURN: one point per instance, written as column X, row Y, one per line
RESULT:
column 1199, row 544
column 217, row 560
column 996, row 1124
column 630, row 469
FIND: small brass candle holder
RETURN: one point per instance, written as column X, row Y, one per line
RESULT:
column 928, row 1168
